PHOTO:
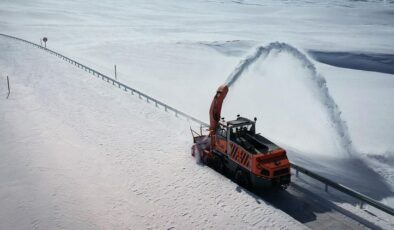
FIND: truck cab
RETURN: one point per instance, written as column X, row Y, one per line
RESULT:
column 235, row 146
column 261, row 162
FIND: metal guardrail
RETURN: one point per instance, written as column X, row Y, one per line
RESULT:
column 328, row 183
column 115, row 82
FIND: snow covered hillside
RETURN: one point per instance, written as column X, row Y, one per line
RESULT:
column 328, row 99
column 77, row 154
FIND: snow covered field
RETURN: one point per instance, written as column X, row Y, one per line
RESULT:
column 180, row 52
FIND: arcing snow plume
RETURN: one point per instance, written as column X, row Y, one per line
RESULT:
column 317, row 80
column 244, row 64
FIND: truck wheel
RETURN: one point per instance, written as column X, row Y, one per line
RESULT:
column 204, row 159
column 284, row 186
column 220, row 165
column 242, row 179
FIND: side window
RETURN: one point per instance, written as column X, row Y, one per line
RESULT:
column 222, row 132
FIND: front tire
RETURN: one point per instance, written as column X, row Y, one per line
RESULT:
column 220, row 166
column 242, row 179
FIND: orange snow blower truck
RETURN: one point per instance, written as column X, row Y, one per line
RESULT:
column 234, row 147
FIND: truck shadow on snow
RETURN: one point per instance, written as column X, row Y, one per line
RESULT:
column 303, row 203
column 309, row 208
column 357, row 173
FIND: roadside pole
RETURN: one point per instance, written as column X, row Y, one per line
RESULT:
column 116, row 76
column 9, row 90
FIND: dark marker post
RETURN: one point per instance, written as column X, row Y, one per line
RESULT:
column 9, row 90
column 45, row 39
column 116, row 77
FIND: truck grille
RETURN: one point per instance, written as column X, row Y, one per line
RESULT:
column 281, row 171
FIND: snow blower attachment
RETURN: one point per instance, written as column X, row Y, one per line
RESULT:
column 234, row 147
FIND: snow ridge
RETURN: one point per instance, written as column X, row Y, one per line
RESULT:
column 317, row 79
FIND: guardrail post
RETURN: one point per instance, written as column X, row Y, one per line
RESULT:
column 147, row 100
column 176, row 113
column 296, row 172
column 156, row 103
column 361, row 204
column 132, row 92
column 165, row 108
column 139, row 95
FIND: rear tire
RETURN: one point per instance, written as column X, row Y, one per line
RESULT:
column 205, row 159
column 284, row 186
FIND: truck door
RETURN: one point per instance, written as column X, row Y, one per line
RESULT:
column 221, row 140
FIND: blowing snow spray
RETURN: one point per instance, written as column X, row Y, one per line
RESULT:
column 316, row 79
